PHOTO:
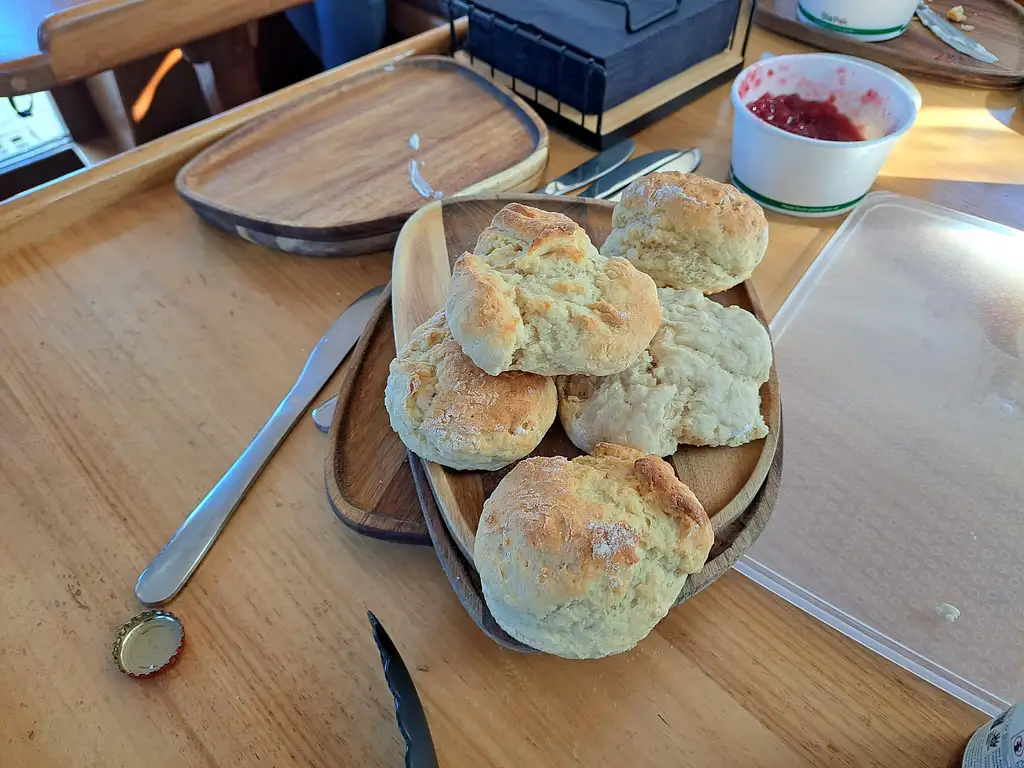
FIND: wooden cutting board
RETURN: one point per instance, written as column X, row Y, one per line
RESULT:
column 726, row 480
column 998, row 25
column 367, row 469
column 338, row 173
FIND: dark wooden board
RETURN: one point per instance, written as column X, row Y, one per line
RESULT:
column 369, row 483
column 330, row 176
column 998, row 25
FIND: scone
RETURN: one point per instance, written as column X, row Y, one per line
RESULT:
column 698, row 383
column 447, row 410
column 686, row 231
column 537, row 296
column 582, row 558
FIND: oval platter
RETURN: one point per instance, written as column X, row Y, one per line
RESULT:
column 730, row 482
column 339, row 172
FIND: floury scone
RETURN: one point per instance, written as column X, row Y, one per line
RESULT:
column 537, row 296
column 447, row 410
column 686, row 231
column 583, row 558
column 698, row 383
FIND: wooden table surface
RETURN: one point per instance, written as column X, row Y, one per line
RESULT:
column 44, row 43
column 142, row 350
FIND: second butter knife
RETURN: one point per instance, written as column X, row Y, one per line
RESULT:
column 179, row 558
column 952, row 36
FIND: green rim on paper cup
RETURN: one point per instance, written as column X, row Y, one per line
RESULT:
column 778, row 205
column 848, row 30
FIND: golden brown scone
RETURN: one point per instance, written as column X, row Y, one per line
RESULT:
column 538, row 297
column 686, row 231
column 698, row 383
column 582, row 558
column 447, row 410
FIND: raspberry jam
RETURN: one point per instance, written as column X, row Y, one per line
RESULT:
column 813, row 119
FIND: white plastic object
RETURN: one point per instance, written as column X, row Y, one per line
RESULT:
column 866, row 20
column 899, row 357
column 813, row 177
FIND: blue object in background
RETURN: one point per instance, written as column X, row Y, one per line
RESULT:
column 340, row 30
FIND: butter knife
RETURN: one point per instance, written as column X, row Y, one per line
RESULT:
column 952, row 36
column 611, row 185
column 591, row 170
column 176, row 562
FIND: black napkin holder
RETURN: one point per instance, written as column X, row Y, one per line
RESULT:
column 583, row 61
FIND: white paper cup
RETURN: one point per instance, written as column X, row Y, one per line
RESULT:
column 867, row 20
column 813, row 177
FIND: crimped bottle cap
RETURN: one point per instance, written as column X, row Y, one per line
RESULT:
column 148, row 643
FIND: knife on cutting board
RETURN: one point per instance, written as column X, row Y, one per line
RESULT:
column 952, row 36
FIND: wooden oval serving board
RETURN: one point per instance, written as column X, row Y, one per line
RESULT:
column 332, row 176
column 726, row 480
column 369, row 480
column 998, row 25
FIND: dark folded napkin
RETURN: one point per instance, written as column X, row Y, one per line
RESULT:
column 583, row 52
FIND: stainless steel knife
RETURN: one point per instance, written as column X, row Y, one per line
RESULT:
column 176, row 562
column 952, row 36
column 610, row 186
column 593, row 169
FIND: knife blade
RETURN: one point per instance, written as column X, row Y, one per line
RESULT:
column 176, row 562
column 952, row 36
column 682, row 159
column 593, row 169
column 412, row 720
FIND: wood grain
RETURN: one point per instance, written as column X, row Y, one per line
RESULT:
column 54, row 207
column 120, row 412
column 371, row 491
column 724, row 479
column 331, row 175
column 998, row 25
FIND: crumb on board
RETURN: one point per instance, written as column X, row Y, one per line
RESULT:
column 956, row 13
column 967, row 27
column 948, row 612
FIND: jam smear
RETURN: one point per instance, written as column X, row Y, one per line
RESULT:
column 813, row 119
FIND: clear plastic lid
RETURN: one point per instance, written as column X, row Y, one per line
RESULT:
column 900, row 519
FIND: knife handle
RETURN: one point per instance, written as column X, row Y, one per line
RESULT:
column 176, row 562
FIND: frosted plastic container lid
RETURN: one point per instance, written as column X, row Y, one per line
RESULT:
column 902, row 500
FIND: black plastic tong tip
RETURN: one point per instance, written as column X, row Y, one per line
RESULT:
column 412, row 720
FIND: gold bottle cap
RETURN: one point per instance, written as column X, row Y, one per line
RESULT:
column 148, row 643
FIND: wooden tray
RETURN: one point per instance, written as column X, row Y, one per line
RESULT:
column 726, row 480
column 330, row 176
column 369, row 481
column 998, row 25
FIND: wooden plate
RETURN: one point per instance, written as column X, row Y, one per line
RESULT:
column 998, row 25
column 726, row 480
column 369, row 480
column 330, row 175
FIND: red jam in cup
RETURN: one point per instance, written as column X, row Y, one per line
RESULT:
column 813, row 119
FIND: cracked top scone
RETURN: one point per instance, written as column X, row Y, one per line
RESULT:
column 537, row 296
column 582, row 558
column 447, row 410
column 698, row 383
column 686, row 231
